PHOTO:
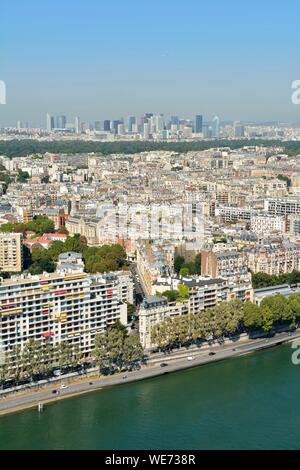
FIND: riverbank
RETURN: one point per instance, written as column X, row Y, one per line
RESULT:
column 176, row 362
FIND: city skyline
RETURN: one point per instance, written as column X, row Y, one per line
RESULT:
column 96, row 61
column 51, row 121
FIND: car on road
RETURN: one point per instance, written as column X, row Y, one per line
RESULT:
column 164, row 364
column 63, row 386
column 190, row 358
column 124, row 377
column 212, row 353
column 54, row 392
column 91, row 383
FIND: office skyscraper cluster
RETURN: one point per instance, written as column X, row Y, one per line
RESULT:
column 147, row 126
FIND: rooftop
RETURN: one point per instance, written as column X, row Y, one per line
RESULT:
column 154, row 301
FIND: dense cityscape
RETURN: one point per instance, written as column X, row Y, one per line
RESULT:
column 150, row 230
column 143, row 239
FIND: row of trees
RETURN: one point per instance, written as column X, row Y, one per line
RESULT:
column 21, row 148
column 37, row 360
column 116, row 350
column 260, row 280
column 227, row 319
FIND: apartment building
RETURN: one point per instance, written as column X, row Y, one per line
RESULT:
column 11, row 252
column 287, row 206
column 225, row 264
column 125, row 285
column 66, row 306
column 275, row 259
column 203, row 294
column 233, row 214
column 86, row 227
column 155, row 310
column 232, row 266
column 293, row 225
column 126, row 223
column 272, row 187
column 264, row 224
column 154, row 260
column 24, row 213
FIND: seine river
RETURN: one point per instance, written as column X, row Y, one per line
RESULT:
column 251, row 402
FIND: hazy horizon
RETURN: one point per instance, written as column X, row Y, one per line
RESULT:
column 98, row 62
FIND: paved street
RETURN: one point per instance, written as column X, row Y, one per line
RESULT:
column 20, row 401
column 139, row 292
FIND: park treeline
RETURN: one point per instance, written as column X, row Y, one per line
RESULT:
column 22, row 148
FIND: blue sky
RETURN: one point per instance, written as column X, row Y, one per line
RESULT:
column 110, row 58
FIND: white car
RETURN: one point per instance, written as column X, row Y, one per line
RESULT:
column 190, row 358
column 63, row 386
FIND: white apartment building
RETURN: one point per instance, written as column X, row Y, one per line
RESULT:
column 155, row 310
column 233, row 214
column 65, row 306
column 264, row 224
column 287, row 206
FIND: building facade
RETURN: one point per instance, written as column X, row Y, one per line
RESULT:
column 203, row 294
column 66, row 306
column 287, row 206
column 11, row 252
column 275, row 259
column 263, row 224
column 232, row 266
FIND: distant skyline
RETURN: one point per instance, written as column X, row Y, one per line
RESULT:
column 102, row 60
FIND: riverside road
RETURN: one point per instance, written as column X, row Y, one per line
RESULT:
column 177, row 360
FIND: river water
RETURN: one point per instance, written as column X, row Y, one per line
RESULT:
column 250, row 402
